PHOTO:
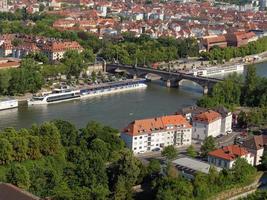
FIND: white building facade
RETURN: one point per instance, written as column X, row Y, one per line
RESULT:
column 225, row 157
column 206, row 124
column 153, row 134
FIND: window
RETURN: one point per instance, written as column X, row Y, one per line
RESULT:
column 140, row 137
column 135, row 138
column 140, row 147
column 134, row 148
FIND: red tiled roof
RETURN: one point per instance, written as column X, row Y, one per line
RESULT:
column 208, row 116
column 229, row 152
column 159, row 123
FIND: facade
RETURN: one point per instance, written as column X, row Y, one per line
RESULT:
column 6, row 49
column 256, row 146
column 226, row 124
column 55, row 49
column 153, row 134
column 219, row 41
column 206, row 124
column 226, row 156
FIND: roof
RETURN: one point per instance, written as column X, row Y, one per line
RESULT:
column 11, row 192
column 230, row 152
column 223, row 111
column 147, row 126
column 256, row 142
column 207, row 117
column 193, row 165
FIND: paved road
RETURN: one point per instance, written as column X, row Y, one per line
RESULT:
column 223, row 141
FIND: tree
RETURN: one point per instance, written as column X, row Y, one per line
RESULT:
column 191, row 151
column 264, row 160
column 124, row 174
column 20, row 148
column 68, row 132
column 153, row 167
column 6, row 151
column 169, row 152
column 250, row 86
column 19, row 176
column 208, row 146
column 242, row 170
column 88, row 56
column 173, row 189
column 74, row 62
column 50, row 139
column 34, row 147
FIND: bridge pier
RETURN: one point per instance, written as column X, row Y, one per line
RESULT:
column 171, row 83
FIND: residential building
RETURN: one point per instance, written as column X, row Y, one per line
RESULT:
column 238, row 39
column 206, row 124
column 226, row 156
column 55, row 49
column 226, row 124
column 155, row 133
column 189, row 167
column 256, row 146
column 6, row 49
column 214, row 41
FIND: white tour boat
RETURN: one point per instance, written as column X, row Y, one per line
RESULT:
column 113, row 87
column 217, row 70
column 8, row 103
column 56, row 96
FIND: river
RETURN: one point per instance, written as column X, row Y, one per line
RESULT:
column 116, row 110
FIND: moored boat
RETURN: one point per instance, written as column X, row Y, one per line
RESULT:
column 8, row 103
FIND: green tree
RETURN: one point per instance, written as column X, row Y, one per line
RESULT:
column 169, row 152
column 6, row 151
column 208, row 146
column 34, row 147
column 174, row 189
column 264, row 160
column 74, row 62
column 191, row 151
column 49, row 138
column 154, row 167
column 19, row 176
column 250, row 86
column 20, row 148
column 242, row 171
column 124, row 174
column 88, row 56
column 68, row 132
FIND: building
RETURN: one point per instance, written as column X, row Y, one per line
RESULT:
column 11, row 192
column 212, row 41
column 6, row 49
column 152, row 134
column 55, row 49
column 226, row 156
column 24, row 49
column 206, row 124
column 256, row 145
column 226, row 124
column 3, row 6
column 7, row 63
column 189, row 167
column 238, row 39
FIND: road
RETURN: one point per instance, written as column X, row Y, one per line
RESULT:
column 222, row 141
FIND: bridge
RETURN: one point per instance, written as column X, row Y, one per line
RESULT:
column 172, row 79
